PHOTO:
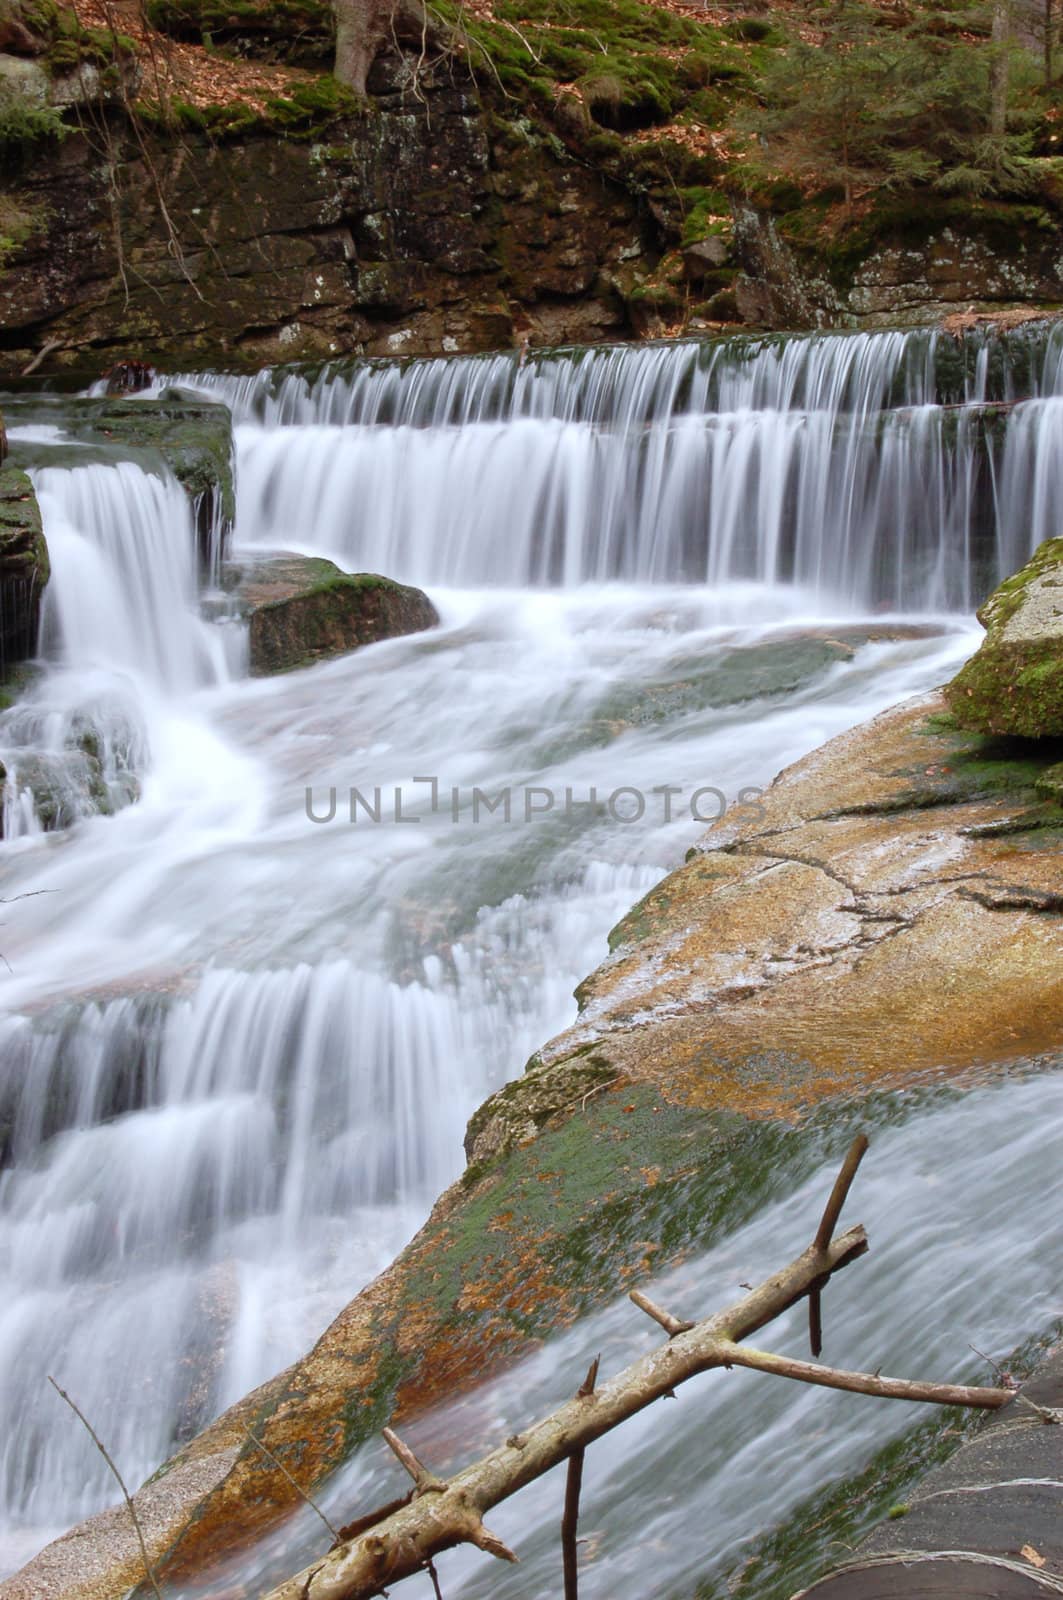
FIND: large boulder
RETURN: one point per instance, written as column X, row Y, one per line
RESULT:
column 302, row 609
column 24, row 568
column 1014, row 684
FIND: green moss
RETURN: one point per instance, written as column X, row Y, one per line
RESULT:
column 298, row 32
column 1014, row 685
column 706, row 211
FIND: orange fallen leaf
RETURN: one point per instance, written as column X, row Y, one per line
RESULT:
column 1029, row 1554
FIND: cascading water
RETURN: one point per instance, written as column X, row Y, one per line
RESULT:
column 239, row 1046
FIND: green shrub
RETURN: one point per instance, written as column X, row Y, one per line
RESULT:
column 24, row 123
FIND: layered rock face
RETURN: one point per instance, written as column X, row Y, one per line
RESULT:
column 426, row 223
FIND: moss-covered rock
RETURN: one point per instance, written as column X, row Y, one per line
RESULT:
column 1014, row 684
column 24, row 567
column 302, row 609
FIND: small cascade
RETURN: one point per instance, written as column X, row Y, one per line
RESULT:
column 152, row 1145
column 865, row 467
column 119, row 629
column 124, row 591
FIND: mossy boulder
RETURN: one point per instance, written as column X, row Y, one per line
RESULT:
column 24, row 567
column 302, row 609
column 1014, row 684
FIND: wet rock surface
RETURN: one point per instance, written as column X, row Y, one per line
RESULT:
column 302, row 609
column 987, row 1523
column 24, row 568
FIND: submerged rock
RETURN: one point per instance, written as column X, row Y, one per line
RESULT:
column 24, row 568
column 1014, row 684
column 302, row 609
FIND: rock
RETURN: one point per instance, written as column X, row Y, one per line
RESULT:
column 1050, row 784
column 302, row 609
column 24, row 567
column 911, row 266
column 866, row 926
column 970, row 1524
column 430, row 222
column 1014, row 683
column 129, row 377
column 703, row 258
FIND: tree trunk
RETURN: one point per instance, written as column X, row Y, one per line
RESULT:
column 364, row 27
column 1049, row 25
column 361, row 31
column 998, row 78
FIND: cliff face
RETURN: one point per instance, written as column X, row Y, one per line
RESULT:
column 426, row 223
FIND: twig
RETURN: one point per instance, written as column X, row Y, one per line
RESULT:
column 573, row 1485
column 277, row 1462
column 842, row 1184
column 102, row 1448
column 425, row 1482
column 825, row 1232
column 430, row 1568
column 671, row 1325
column 871, row 1383
column 42, row 355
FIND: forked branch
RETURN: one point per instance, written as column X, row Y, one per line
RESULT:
column 440, row 1515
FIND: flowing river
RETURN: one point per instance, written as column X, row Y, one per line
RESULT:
column 242, row 1032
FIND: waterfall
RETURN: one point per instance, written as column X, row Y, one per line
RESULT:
column 238, row 1047
column 866, row 468
column 121, row 631
column 124, row 592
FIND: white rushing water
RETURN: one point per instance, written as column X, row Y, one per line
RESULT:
column 239, row 1046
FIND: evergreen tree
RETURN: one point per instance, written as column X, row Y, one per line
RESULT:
column 878, row 102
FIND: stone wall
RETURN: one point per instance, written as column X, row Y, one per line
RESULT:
column 427, row 223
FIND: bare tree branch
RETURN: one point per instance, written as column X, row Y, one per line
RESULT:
column 939, row 1394
column 405, row 1541
column 102, row 1448
column 573, row 1485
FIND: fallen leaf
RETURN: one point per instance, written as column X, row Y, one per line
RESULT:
column 1029, row 1554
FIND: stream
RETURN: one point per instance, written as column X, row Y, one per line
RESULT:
column 241, row 1034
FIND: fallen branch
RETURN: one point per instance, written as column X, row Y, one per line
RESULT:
column 872, row 1383
column 441, row 1514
